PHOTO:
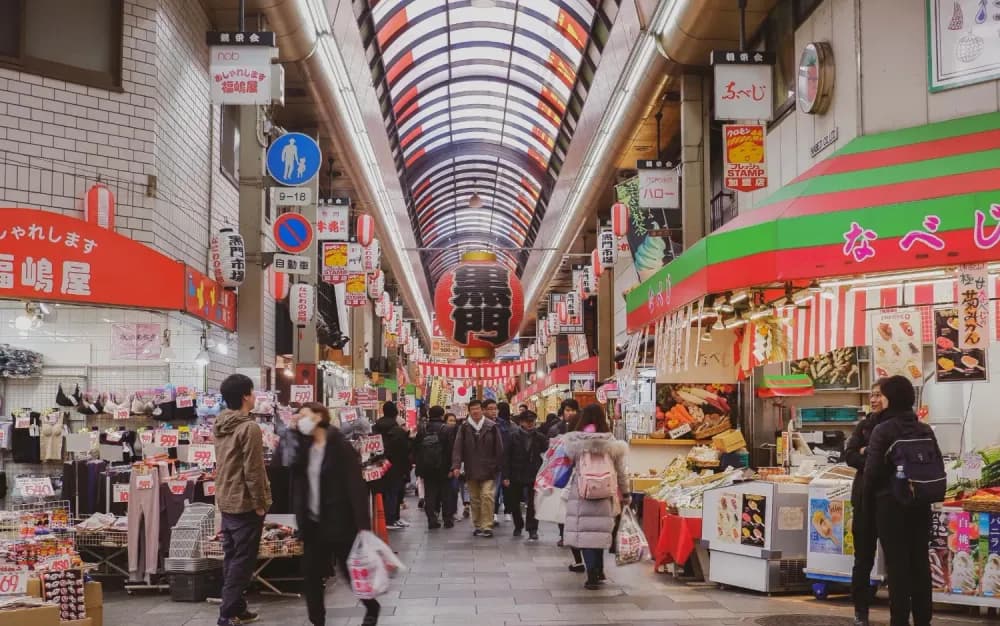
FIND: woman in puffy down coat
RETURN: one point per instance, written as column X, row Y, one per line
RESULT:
column 590, row 523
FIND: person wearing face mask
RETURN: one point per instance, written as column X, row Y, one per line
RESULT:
column 330, row 500
column 863, row 524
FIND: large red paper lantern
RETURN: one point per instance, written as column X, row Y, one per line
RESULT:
column 479, row 304
column 366, row 229
column 595, row 262
column 277, row 284
column 619, row 219
column 99, row 206
column 562, row 311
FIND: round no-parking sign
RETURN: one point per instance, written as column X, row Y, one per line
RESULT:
column 292, row 233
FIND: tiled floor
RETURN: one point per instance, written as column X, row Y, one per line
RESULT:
column 454, row 578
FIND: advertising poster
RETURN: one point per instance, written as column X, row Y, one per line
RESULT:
column 962, row 42
column 973, row 306
column 826, row 526
column 654, row 235
column 940, row 555
column 582, row 382
column 896, row 346
column 990, row 584
column 356, row 293
column 728, row 529
column 848, row 528
column 836, row 370
column 952, row 364
column 334, row 263
column 963, row 543
column 753, row 521
column 744, row 165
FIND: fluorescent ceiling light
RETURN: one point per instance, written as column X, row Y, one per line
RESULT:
column 869, row 280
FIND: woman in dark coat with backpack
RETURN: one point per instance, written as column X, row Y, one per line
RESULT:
column 331, row 503
column 590, row 522
column 904, row 475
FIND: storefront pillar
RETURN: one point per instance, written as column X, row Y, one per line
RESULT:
column 605, row 326
column 250, row 304
column 694, row 142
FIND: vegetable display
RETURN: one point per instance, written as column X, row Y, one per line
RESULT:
column 706, row 408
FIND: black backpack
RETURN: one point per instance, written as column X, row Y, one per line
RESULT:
column 917, row 467
column 430, row 455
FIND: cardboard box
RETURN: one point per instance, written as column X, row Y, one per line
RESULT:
column 34, row 587
column 78, row 622
column 93, row 595
column 729, row 441
column 640, row 485
column 96, row 614
column 40, row 616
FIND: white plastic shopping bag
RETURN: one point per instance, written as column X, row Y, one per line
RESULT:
column 630, row 544
column 371, row 565
column 550, row 505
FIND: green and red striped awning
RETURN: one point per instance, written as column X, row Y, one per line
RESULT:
column 870, row 196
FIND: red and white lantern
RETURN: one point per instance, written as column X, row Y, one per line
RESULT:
column 229, row 264
column 99, row 206
column 365, row 229
column 595, row 262
column 277, row 284
column 376, row 285
column 386, row 306
column 371, row 256
column 619, row 219
column 302, row 303
column 553, row 322
column 607, row 249
column 562, row 311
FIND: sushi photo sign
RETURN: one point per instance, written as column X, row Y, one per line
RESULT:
column 896, row 345
column 952, row 363
column 962, row 43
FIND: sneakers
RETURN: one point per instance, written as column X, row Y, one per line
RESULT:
column 248, row 617
column 420, row 503
column 578, row 568
column 533, row 536
column 517, row 532
column 466, row 512
column 507, row 518
column 396, row 525
column 433, row 525
column 449, row 524
column 403, row 523
column 477, row 533
column 486, row 533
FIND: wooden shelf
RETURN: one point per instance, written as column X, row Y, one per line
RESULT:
column 666, row 442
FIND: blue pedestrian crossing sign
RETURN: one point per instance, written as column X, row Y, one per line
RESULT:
column 293, row 159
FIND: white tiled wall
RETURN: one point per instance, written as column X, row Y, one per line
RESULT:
column 57, row 137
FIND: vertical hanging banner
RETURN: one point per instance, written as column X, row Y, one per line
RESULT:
column 654, row 235
column 607, row 248
column 744, row 164
column 744, row 85
column 574, row 313
column 954, row 364
column 99, row 206
column 356, row 292
column 331, row 220
column 974, row 306
column 334, row 262
column 371, row 256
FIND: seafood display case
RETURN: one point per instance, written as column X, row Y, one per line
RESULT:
column 830, row 554
column 756, row 535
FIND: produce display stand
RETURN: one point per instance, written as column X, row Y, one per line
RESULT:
column 830, row 551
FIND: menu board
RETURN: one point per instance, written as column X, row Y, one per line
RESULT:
column 951, row 363
column 728, row 530
column 896, row 345
column 753, row 522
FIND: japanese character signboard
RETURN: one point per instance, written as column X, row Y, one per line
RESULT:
column 954, row 363
column 974, row 307
column 241, row 74
column 206, row 299
column 744, row 165
column 332, row 221
column 743, row 85
column 139, row 342
column 51, row 257
column 228, row 258
column 659, row 185
column 607, row 248
column 574, row 314
column 334, row 262
column 355, row 257
column 291, row 264
column 356, row 293
column 962, row 43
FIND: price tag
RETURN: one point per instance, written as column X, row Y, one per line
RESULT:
column 34, row 487
column 14, row 583
column 374, row 472
column 201, row 454
column 348, row 415
column 302, row 393
column 167, row 439
column 210, row 488
column 55, row 563
column 3, row 437
column 22, row 421
column 344, row 395
column 121, row 413
column 146, row 438
column 185, row 399
column 372, row 445
column 120, row 493
column 680, row 431
column 177, row 487
column 52, row 418
column 114, row 436
column 144, row 482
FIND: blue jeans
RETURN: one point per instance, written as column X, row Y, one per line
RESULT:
column 392, row 497
column 593, row 558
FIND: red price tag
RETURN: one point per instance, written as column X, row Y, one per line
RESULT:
column 201, row 454
column 55, row 563
column 14, row 583
column 120, row 493
column 168, row 440
column 373, row 445
column 22, row 421
column 144, row 482
column 178, row 487
column 210, row 488
column 35, row 487
column 121, row 413
column 146, row 437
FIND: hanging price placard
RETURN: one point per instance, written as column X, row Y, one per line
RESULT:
column 120, row 493
column 14, row 583
column 22, row 421
column 201, row 454
column 144, row 482
column 121, row 413
column 372, row 445
column 166, row 439
column 210, row 488
column 34, row 487
column 185, row 398
column 177, row 487
column 55, row 563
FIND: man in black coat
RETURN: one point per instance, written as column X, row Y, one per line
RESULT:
column 432, row 450
column 396, row 442
column 521, row 461
column 567, row 413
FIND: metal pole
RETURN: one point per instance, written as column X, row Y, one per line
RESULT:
column 243, row 16
column 743, row 25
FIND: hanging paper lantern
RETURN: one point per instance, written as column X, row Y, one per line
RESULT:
column 479, row 304
column 619, row 219
column 553, row 322
column 590, row 277
column 376, row 285
column 366, row 229
column 99, row 206
column 386, row 306
column 229, row 264
column 595, row 263
column 572, row 306
column 379, row 309
column 277, row 284
column 607, row 249
column 563, row 313
column 302, row 299
column 371, row 256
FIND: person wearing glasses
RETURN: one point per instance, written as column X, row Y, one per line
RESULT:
column 865, row 539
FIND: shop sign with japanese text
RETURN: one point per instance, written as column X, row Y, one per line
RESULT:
column 334, row 263
column 241, row 74
column 974, row 306
column 744, row 164
column 743, row 85
column 659, row 185
column 331, row 223
column 47, row 256
column 356, row 292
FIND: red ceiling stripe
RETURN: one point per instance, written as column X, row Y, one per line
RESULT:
column 544, row 137
column 573, row 29
column 422, row 186
column 413, row 158
column 529, row 187
column 405, row 98
column 400, row 66
column 548, row 112
column 410, row 136
column 395, row 24
column 539, row 157
column 561, row 68
column 553, row 100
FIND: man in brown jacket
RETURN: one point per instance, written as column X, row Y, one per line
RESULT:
column 242, row 494
column 479, row 447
